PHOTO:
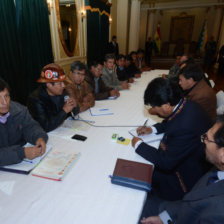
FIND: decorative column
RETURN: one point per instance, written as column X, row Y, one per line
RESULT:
column 122, row 27
column 151, row 19
column 217, row 22
column 221, row 35
column 134, row 25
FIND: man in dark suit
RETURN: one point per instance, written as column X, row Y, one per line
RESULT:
column 112, row 47
column 205, row 202
column 180, row 160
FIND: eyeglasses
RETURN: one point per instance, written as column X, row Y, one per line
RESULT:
column 205, row 137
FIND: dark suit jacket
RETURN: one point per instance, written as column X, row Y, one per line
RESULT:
column 180, row 160
column 112, row 49
column 204, row 204
column 104, row 91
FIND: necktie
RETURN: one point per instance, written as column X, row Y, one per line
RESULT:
column 3, row 118
column 213, row 177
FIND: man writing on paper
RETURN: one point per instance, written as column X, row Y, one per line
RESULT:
column 16, row 129
column 48, row 104
column 205, row 202
column 179, row 160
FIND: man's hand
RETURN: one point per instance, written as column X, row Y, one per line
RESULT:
column 152, row 220
column 144, row 130
column 69, row 105
column 32, row 152
column 137, row 75
column 41, row 144
column 114, row 92
column 125, row 85
column 134, row 140
column 130, row 80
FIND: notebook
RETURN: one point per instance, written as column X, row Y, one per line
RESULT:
column 26, row 165
column 95, row 111
column 132, row 174
column 55, row 165
column 151, row 138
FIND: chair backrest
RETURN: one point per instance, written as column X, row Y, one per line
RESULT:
column 220, row 98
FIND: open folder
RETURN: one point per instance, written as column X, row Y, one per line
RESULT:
column 26, row 165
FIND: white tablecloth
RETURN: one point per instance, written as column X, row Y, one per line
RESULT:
column 86, row 195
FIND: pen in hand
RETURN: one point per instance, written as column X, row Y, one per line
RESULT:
column 144, row 125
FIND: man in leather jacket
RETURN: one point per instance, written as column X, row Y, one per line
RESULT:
column 49, row 104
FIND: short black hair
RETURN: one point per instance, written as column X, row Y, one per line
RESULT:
column 133, row 52
column 78, row 65
column 95, row 63
column 140, row 51
column 161, row 91
column 114, row 37
column 192, row 71
column 120, row 56
column 219, row 135
column 4, row 85
column 109, row 56
column 128, row 58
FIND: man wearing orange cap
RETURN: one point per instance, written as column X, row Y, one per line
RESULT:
column 49, row 104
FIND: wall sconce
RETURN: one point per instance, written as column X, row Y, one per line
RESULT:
column 83, row 14
column 110, row 20
column 50, row 6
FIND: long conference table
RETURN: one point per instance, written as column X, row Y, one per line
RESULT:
column 86, row 194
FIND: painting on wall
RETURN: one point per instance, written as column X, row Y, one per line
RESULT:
column 181, row 28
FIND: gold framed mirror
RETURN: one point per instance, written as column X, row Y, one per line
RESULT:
column 67, row 20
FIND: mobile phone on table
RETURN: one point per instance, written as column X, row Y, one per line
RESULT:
column 79, row 137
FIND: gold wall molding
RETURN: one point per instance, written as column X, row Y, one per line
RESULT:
column 97, row 10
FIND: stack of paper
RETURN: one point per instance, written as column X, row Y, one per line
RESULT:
column 95, row 111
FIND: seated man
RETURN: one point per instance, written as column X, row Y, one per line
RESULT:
column 179, row 158
column 191, row 80
column 47, row 104
column 96, row 84
column 109, row 74
column 205, row 202
column 140, row 62
column 131, row 69
column 16, row 129
column 122, row 74
column 174, row 71
column 77, row 87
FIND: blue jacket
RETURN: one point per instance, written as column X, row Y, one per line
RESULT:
column 19, row 129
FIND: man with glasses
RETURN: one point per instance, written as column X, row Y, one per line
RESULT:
column 96, row 84
column 77, row 87
column 205, row 202
column 179, row 161
column 48, row 104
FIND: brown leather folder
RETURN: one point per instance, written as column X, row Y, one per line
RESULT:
column 133, row 174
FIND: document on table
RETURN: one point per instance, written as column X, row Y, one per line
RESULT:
column 149, row 139
column 26, row 165
column 56, row 165
column 99, row 111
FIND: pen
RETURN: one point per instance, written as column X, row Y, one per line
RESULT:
column 131, row 134
column 103, row 109
column 28, row 161
column 144, row 125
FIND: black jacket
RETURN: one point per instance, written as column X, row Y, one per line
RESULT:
column 180, row 160
column 46, row 109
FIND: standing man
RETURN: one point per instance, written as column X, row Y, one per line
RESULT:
column 113, row 47
column 179, row 159
column 148, row 50
column 109, row 74
column 221, row 61
column 210, row 50
column 16, row 129
column 48, row 104
column 205, row 202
